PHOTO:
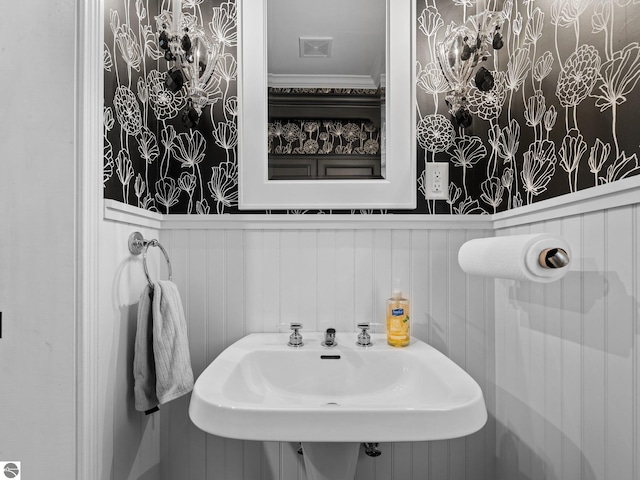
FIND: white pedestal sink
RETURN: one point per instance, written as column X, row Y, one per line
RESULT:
column 261, row 389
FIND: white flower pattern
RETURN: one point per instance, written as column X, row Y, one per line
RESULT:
column 563, row 64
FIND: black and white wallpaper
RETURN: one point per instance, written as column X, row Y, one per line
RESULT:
column 150, row 159
column 324, row 137
column 561, row 115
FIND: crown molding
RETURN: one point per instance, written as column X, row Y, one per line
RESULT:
column 321, row 81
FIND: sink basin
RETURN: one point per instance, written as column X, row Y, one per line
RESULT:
column 261, row 389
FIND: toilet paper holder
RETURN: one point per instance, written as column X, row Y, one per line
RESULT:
column 553, row 258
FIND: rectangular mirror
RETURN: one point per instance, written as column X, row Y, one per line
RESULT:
column 325, row 79
column 364, row 176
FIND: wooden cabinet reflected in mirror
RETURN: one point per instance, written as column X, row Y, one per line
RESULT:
column 325, row 134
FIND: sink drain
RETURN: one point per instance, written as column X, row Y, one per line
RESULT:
column 331, row 403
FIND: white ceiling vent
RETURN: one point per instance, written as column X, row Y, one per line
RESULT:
column 315, row 47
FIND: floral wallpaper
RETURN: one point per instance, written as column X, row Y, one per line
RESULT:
column 151, row 159
column 560, row 117
column 323, row 137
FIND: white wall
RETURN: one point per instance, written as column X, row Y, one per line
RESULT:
column 567, row 359
column 37, row 237
column 237, row 281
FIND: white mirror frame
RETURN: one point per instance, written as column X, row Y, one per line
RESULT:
column 398, row 190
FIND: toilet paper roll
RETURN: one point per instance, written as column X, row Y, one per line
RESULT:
column 515, row 257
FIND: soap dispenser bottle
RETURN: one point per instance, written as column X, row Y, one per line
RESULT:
column 397, row 318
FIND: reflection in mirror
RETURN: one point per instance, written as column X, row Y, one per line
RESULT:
column 326, row 83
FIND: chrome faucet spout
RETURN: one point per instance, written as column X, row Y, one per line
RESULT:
column 330, row 338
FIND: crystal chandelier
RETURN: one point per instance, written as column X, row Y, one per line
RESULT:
column 459, row 54
column 194, row 57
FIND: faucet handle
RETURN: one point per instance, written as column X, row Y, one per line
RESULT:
column 295, row 339
column 291, row 325
column 364, row 339
column 370, row 325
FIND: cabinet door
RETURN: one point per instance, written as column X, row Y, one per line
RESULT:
column 292, row 167
column 325, row 167
column 349, row 167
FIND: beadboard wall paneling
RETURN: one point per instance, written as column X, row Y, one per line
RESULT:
column 129, row 440
column 237, row 281
column 567, row 363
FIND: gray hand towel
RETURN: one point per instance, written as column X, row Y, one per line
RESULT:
column 170, row 343
column 144, row 369
column 162, row 363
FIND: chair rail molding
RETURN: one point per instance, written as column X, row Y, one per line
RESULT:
column 613, row 195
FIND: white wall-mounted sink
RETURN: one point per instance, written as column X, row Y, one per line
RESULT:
column 261, row 389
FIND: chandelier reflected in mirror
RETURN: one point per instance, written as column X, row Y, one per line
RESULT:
column 193, row 57
column 463, row 49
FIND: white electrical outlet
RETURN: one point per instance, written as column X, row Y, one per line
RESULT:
column 436, row 181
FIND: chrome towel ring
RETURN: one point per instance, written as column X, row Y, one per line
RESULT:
column 138, row 245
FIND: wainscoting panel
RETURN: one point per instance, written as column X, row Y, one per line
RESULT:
column 237, row 281
column 567, row 364
column 129, row 440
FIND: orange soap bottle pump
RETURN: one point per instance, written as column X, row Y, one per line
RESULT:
column 398, row 318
